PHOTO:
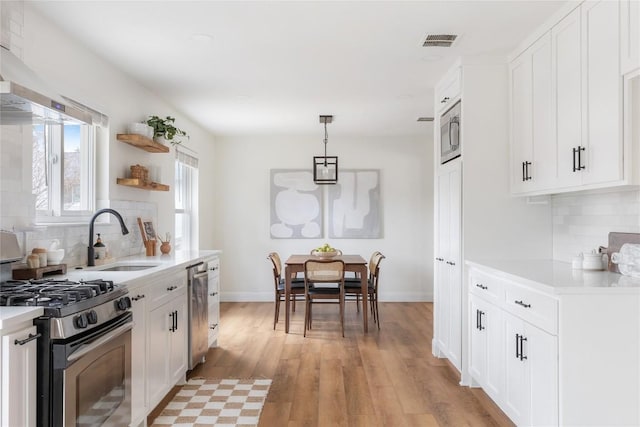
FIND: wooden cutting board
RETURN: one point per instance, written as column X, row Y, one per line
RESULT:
column 38, row 273
column 616, row 240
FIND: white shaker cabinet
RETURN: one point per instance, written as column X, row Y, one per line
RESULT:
column 448, row 265
column 213, row 267
column 629, row 36
column 19, row 377
column 532, row 133
column 486, row 361
column 139, row 404
column 166, row 335
column 447, row 92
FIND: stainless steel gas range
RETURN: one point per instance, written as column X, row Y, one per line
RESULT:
column 84, row 350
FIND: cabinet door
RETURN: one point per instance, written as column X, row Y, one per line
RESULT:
column 178, row 337
column 19, row 379
column 478, row 345
column 448, row 267
column 160, row 322
column 567, row 69
column 517, row 393
column 214, row 301
column 521, row 123
column 602, row 88
column 542, row 352
column 629, row 35
column 139, row 355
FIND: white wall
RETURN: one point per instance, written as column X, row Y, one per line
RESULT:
column 78, row 73
column 583, row 220
column 241, row 211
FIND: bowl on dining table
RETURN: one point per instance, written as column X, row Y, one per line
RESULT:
column 327, row 254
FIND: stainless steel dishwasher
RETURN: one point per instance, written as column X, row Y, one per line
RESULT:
column 198, row 312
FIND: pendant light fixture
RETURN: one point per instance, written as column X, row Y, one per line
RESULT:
column 325, row 168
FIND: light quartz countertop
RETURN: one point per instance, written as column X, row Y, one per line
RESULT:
column 556, row 277
column 12, row 317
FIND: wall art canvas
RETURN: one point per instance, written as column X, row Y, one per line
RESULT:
column 355, row 209
column 296, row 205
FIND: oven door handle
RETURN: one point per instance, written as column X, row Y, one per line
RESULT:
column 87, row 348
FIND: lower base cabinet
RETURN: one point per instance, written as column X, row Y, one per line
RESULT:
column 18, row 392
column 213, row 297
column 566, row 356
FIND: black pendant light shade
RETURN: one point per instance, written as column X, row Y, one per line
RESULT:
column 325, row 168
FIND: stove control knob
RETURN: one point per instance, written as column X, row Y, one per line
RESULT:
column 92, row 317
column 123, row 303
column 80, row 321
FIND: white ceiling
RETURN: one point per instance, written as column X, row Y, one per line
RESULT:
column 274, row 67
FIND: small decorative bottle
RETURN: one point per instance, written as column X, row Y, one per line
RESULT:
column 100, row 249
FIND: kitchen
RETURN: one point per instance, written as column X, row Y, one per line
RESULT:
column 229, row 225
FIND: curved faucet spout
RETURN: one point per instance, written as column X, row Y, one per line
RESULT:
column 90, row 252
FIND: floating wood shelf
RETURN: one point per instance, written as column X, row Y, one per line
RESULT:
column 138, row 183
column 142, row 142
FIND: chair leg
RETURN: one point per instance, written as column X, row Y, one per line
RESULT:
column 276, row 313
column 293, row 304
column 358, row 303
column 377, row 312
column 306, row 315
column 342, row 312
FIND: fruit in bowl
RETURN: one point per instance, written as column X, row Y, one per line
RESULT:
column 325, row 251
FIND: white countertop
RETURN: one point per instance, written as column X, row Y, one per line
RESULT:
column 558, row 277
column 160, row 262
column 12, row 317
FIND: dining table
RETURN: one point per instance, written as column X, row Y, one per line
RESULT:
column 355, row 263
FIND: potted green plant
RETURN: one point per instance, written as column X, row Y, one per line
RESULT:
column 164, row 128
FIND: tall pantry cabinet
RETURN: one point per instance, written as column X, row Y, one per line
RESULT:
column 475, row 216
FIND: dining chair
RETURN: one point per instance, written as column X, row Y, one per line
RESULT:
column 324, row 282
column 297, row 286
column 353, row 287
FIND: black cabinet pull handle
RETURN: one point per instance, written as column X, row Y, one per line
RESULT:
column 171, row 288
column 213, row 294
column 580, row 165
column 445, row 99
column 31, row 337
column 574, row 159
column 175, row 318
column 137, row 297
column 527, row 177
column 215, row 325
column 480, row 313
column 525, row 305
column 522, row 340
column 523, row 172
column 451, row 263
column 517, row 346
column 481, row 286
column 171, row 316
column 477, row 319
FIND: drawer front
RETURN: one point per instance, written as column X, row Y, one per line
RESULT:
column 166, row 288
column 486, row 286
column 536, row 308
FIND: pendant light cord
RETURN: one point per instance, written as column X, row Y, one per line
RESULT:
column 326, row 139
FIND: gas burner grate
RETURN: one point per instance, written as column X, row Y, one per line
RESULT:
column 51, row 293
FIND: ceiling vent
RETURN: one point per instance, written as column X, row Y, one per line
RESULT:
column 439, row 40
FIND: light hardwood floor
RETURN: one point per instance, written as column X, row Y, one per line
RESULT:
column 384, row 378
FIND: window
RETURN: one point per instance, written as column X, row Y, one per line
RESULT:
column 63, row 176
column 186, row 191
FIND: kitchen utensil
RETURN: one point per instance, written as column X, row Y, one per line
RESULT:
column 616, row 240
column 592, row 261
column 55, row 256
column 42, row 254
column 628, row 259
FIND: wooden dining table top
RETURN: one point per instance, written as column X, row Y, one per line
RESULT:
column 347, row 259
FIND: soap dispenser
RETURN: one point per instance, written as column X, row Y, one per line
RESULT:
column 100, row 249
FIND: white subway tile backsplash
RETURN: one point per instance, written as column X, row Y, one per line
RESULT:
column 582, row 220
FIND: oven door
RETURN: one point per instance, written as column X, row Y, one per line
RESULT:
column 96, row 381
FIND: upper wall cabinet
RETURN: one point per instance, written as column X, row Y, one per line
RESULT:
column 629, row 35
column 579, row 145
column 448, row 91
column 532, row 136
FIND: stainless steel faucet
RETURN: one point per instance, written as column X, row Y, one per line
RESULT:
column 90, row 253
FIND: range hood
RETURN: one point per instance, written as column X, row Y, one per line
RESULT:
column 25, row 98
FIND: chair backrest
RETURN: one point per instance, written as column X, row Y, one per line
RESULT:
column 324, row 271
column 374, row 268
column 277, row 266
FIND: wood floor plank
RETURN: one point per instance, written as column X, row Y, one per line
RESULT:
column 384, row 378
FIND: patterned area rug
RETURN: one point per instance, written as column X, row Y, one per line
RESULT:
column 216, row 403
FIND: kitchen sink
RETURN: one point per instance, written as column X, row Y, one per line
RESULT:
column 128, row 267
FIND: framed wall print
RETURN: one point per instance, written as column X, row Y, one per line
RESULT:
column 355, row 209
column 296, row 205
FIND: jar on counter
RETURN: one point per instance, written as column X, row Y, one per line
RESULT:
column 42, row 255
